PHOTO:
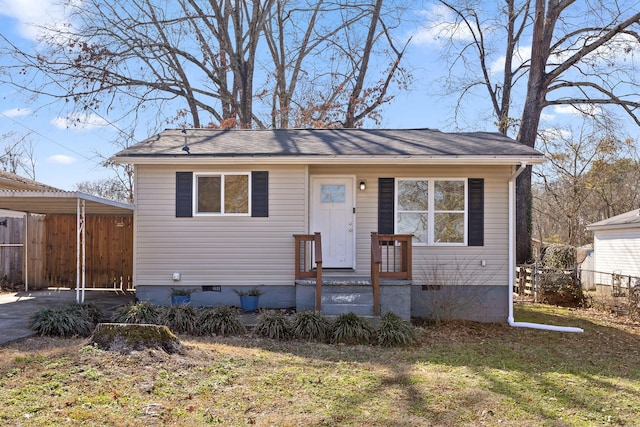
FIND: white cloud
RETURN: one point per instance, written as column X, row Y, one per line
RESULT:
column 580, row 110
column 16, row 112
column 440, row 27
column 29, row 14
column 61, row 159
column 553, row 134
column 547, row 116
column 79, row 121
column 521, row 55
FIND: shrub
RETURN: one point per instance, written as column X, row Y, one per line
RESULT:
column 395, row 332
column 559, row 256
column 61, row 323
column 219, row 321
column 181, row 318
column 136, row 312
column 310, row 326
column 92, row 312
column 349, row 328
column 272, row 324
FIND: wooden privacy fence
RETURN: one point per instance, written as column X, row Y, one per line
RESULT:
column 51, row 246
column 109, row 251
column 12, row 242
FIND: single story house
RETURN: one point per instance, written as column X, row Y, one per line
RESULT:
column 315, row 218
column 616, row 248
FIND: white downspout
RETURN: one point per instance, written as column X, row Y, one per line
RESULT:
column 512, row 261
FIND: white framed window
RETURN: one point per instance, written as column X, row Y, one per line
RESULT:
column 226, row 193
column 434, row 210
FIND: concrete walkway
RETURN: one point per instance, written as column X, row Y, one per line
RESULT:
column 15, row 309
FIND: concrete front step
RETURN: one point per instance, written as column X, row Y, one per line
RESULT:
column 338, row 309
column 338, row 300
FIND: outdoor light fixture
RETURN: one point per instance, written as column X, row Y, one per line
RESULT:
column 363, row 185
column 185, row 148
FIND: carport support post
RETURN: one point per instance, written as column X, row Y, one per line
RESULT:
column 25, row 245
column 80, row 245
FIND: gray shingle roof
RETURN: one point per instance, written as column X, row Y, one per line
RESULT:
column 327, row 142
column 631, row 218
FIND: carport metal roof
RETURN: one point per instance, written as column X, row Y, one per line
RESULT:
column 63, row 202
column 60, row 202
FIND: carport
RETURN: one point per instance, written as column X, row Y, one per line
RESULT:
column 63, row 203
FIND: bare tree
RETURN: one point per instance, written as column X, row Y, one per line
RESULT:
column 17, row 155
column 577, row 54
column 196, row 62
column 588, row 174
column 108, row 188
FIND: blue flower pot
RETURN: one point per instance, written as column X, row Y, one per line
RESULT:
column 180, row 299
column 249, row 303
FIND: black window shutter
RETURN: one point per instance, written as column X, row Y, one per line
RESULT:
column 476, row 212
column 386, row 188
column 184, row 194
column 260, row 193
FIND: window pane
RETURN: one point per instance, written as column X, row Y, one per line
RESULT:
column 209, row 194
column 413, row 223
column 332, row 193
column 413, row 195
column 236, row 194
column 449, row 195
column 448, row 228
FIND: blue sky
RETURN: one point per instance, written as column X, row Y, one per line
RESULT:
column 64, row 147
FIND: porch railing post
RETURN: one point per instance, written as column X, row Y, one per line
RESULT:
column 376, row 261
column 308, row 247
column 318, row 244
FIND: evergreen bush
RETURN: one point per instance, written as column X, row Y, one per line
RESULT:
column 219, row 321
column 395, row 332
column 66, row 322
column 310, row 326
column 349, row 328
column 272, row 324
column 137, row 313
column 181, row 318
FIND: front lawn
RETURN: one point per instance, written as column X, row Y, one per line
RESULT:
column 460, row 373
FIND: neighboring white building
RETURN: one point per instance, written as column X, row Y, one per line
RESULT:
column 616, row 245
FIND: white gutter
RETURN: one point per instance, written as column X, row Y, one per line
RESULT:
column 512, row 261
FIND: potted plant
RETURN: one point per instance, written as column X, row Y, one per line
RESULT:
column 249, row 299
column 181, row 296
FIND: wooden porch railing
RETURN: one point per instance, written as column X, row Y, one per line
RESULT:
column 308, row 250
column 390, row 258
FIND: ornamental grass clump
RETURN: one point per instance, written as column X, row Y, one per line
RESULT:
column 349, row 328
column 137, row 313
column 181, row 318
column 66, row 322
column 91, row 311
column 219, row 321
column 272, row 324
column 310, row 326
column 395, row 332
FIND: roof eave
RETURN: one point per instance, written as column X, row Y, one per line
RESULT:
column 334, row 159
column 594, row 227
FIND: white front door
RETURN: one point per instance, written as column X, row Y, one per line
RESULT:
column 332, row 214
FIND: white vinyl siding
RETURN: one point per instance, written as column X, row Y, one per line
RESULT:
column 617, row 251
column 216, row 250
column 461, row 261
column 250, row 251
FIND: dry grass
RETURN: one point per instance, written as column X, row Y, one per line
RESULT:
column 459, row 373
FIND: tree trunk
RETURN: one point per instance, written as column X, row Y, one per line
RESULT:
column 533, row 105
